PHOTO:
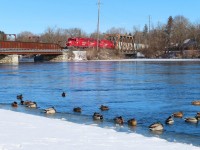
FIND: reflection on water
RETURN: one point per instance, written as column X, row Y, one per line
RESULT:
column 147, row 91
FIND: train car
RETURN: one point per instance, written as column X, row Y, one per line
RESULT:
column 88, row 43
column 81, row 42
column 106, row 44
column 27, row 45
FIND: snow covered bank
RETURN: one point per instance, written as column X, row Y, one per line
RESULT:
column 153, row 60
column 29, row 132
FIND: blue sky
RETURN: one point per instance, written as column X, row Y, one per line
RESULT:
column 37, row 15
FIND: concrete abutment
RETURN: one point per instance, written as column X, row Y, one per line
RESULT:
column 9, row 59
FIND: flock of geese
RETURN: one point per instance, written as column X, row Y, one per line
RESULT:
column 157, row 126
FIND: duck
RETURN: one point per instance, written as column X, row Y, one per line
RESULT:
column 169, row 120
column 32, row 105
column 198, row 115
column 191, row 119
column 132, row 122
column 63, row 94
column 77, row 109
column 97, row 116
column 178, row 114
column 50, row 110
column 156, row 126
column 103, row 108
column 197, row 103
column 20, row 97
column 27, row 102
column 119, row 120
column 14, row 104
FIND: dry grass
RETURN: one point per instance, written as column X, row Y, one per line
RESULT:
column 103, row 54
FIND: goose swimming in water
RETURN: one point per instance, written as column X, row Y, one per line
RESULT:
column 103, row 108
column 32, row 105
column 169, row 120
column 197, row 103
column 97, row 116
column 20, row 97
column 14, row 104
column 132, row 122
column 191, row 119
column 198, row 115
column 156, row 126
column 77, row 109
column 26, row 102
column 50, row 110
column 178, row 114
column 63, row 94
column 119, row 120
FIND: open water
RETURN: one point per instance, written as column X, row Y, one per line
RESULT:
column 145, row 90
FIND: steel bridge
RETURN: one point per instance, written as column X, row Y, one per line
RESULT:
column 14, row 51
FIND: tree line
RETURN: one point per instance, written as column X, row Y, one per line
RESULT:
column 164, row 37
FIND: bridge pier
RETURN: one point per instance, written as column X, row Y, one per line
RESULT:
column 9, row 59
column 66, row 56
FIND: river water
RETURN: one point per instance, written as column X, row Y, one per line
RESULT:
column 145, row 90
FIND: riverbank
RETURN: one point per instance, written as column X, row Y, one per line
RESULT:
column 149, row 60
column 25, row 131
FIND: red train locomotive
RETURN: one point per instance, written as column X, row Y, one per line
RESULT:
column 89, row 43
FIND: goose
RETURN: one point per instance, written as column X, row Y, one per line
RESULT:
column 63, row 94
column 50, row 110
column 20, row 97
column 103, row 108
column 27, row 102
column 32, row 105
column 198, row 115
column 197, row 103
column 77, row 109
column 178, row 114
column 132, row 122
column 191, row 119
column 156, row 126
column 119, row 120
column 14, row 104
column 169, row 120
column 97, row 116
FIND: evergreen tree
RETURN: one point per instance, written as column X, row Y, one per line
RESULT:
column 145, row 30
column 1, row 35
column 169, row 28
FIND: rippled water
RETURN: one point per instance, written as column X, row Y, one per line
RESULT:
column 147, row 91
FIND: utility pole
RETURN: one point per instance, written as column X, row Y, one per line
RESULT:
column 98, row 25
column 149, row 23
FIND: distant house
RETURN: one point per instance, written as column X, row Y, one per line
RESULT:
column 189, row 44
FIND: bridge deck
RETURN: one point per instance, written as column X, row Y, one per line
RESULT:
column 30, row 51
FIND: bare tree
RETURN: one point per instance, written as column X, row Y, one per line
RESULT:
column 180, row 31
column 114, row 30
column 26, row 36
